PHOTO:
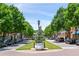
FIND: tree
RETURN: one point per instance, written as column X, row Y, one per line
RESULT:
column 48, row 31
column 5, row 19
column 13, row 21
column 65, row 18
column 28, row 29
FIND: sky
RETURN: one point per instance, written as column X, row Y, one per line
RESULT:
column 39, row 11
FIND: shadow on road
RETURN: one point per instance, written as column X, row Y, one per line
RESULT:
column 4, row 49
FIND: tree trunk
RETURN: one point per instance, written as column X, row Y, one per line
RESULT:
column 21, row 36
column 11, row 37
column 44, row 44
column 4, row 34
column 15, row 38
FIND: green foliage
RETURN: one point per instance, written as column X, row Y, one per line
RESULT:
column 48, row 31
column 13, row 21
column 64, row 19
column 28, row 31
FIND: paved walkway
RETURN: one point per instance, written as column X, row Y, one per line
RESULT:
column 66, row 51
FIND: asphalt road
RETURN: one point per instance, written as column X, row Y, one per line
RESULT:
column 68, row 50
column 64, row 45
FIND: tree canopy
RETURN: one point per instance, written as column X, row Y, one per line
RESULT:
column 64, row 19
column 13, row 21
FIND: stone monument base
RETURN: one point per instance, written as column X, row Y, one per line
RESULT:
column 39, row 46
column 39, row 49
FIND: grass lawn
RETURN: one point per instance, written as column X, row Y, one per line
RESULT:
column 27, row 46
column 30, row 45
column 51, row 46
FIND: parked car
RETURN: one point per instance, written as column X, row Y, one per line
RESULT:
column 77, row 37
column 74, row 38
column 69, row 41
column 61, row 36
column 77, row 42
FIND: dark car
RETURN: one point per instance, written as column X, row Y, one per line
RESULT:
column 77, row 42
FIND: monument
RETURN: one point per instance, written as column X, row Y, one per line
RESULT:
column 39, row 38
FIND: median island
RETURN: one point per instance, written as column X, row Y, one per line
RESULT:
column 30, row 45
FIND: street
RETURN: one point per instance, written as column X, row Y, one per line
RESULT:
column 68, row 50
